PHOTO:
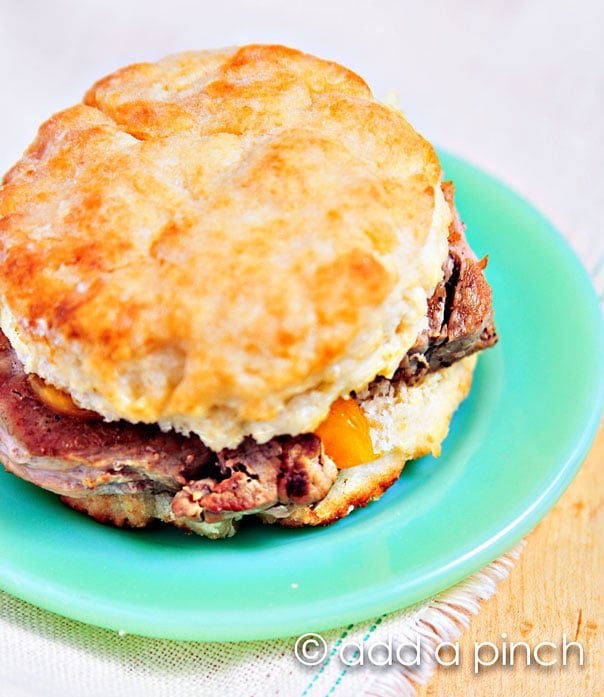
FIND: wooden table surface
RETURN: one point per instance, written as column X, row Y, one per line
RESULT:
column 556, row 588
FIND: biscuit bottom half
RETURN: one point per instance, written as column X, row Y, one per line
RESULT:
column 406, row 422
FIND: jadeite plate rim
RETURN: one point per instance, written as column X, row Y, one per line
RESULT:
column 270, row 582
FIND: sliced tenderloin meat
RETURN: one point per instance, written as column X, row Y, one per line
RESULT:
column 460, row 312
column 73, row 456
column 283, row 471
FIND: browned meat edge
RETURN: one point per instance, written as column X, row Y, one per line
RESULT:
column 460, row 311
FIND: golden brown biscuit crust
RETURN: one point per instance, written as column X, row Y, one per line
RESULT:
column 209, row 237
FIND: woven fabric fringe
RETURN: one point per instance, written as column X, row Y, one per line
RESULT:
column 442, row 620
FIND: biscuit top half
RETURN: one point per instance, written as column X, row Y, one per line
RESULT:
column 223, row 242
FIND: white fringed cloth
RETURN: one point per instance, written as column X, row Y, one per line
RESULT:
column 44, row 654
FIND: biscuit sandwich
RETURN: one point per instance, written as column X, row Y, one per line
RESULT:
column 233, row 283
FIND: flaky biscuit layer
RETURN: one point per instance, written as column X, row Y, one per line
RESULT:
column 222, row 241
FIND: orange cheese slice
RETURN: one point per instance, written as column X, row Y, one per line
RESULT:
column 345, row 434
column 58, row 400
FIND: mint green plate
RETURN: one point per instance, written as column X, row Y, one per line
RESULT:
column 514, row 447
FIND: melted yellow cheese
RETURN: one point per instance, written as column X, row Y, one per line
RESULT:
column 345, row 434
column 58, row 400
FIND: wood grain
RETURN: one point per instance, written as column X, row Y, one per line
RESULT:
column 556, row 588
